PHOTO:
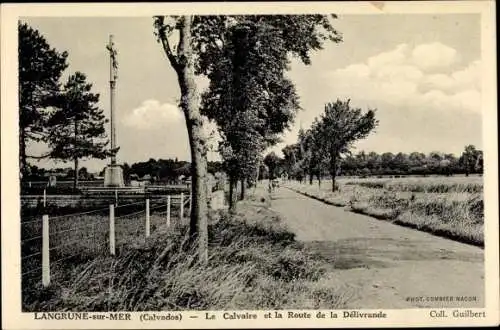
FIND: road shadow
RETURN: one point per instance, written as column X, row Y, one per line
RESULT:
column 382, row 252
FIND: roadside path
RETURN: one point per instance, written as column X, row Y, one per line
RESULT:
column 383, row 264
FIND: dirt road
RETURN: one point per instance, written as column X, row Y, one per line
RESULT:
column 381, row 264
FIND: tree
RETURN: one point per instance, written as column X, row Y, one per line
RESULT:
column 315, row 152
column 272, row 162
column 182, row 59
column 479, row 165
column 289, row 157
column 306, row 145
column 401, row 162
column 349, row 165
column 126, row 171
column 242, row 99
column 307, row 156
column 339, row 127
column 214, row 167
column 40, row 68
column 373, row 161
column 263, row 172
column 387, row 159
column 471, row 159
column 310, row 146
column 77, row 125
column 249, row 77
column 83, row 173
column 201, row 39
column 241, row 159
column 416, row 158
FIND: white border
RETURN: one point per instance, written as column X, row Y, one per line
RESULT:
column 11, row 306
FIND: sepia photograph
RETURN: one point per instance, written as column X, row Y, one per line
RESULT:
column 312, row 166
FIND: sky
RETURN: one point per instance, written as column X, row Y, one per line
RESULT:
column 420, row 72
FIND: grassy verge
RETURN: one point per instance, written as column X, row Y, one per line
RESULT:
column 254, row 263
column 455, row 211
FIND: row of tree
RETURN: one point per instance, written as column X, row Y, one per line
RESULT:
column 312, row 157
column 162, row 170
column 41, row 174
column 249, row 97
column 64, row 116
column 165, row 170
column 321, row 148
column 415, row 163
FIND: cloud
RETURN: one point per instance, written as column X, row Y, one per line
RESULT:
column 423, row 76
column 151, row 114
column 158, row 130
column 466, row 78
column 434, row 55
column 392, row 57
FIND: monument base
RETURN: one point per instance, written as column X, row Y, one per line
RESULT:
column 113, row 176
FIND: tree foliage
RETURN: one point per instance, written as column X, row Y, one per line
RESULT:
column 272, row 161
column 77, row 125
column 339, row 127
column 471, row 160
column 250, row 97
column 414, row 163
column 232, row 52
column 40, row 68
column 331, row 135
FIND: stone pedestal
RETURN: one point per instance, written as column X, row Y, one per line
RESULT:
column 113, row 176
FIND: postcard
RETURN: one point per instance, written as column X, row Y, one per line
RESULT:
column 249, row 165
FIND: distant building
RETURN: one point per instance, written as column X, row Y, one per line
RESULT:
column 136, row 181
column 58, row 173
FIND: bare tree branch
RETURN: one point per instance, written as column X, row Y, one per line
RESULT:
column 39, row 157
column 163, row 37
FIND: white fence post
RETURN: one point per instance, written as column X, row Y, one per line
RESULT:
column 44, row 197
column 168, row 211
column 116, row 197
column 190, row 202
column 181, row 216
column 112, row 229
column 45, row 251
column 147, row 218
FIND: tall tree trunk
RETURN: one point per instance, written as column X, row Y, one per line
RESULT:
column 333, row 169
column 75, row 178
column 198, row 229
column 319, row 178
column 231, row 192
column 311, row 177
column 242, row 192
column 22, row 152
column 75, row 150
column 258, row 175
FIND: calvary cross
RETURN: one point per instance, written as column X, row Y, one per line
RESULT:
column 112, row 55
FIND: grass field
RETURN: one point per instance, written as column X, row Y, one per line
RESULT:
column 254, row 263
column 447, row 206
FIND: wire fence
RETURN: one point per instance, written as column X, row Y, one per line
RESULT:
column 49, row 243
column 63, row 201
